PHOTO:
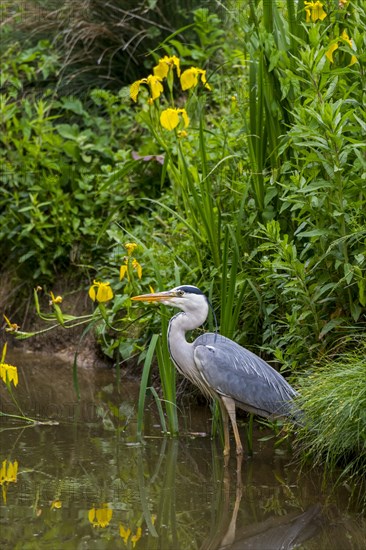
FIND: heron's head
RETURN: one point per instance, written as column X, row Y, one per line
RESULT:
column 185, row 297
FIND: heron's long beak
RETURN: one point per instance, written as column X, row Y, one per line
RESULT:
column 155, row 297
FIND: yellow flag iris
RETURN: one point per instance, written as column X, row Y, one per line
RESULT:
column 314, row 11
column 126, row 535
column 8, row 474
column 55, row 299
column 100, row 292
column 123, row 270
column 137, row 267
column 9, row 373
column 333, row 47
column 169, row 118
column 189, row 78
column 165, row 64
column 130, row 247
column 154, row 83
column 136, row 537
column 56, row 505
column 100, row 517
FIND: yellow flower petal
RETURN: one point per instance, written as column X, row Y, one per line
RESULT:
column 346, row 38
column 162, row 69
column 353, row 60
column 176, row 63
column 100, row 517
column 204, row 80
column 55, row 300
column 104, row 292
column 8, row 472
column 137, row 267
column 329, row 54
column 124, row 533
column 9, row 373
column 189, row 78
column 184, row 116
column 136, row 537
column 169, row 119
column 104, row 516
column 100, row 292
column 92, row 293
column 91, row 515
column 13, row 471
column 130, row 247
column 134, row 90
column 156, row 86
column 314, row 11
column 122, row 272
column 56, row 504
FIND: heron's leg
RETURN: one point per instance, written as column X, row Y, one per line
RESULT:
column 230, row 407
column 225, row 421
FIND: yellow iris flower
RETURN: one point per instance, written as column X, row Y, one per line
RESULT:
column 154, row 83
column 314, row 11
column 56, row 505
column 126, row 535
column 100, row 292
column 55, row 300
column 189, row 78
column 8, row 474
column 130, row 247
column 162, row 69
column 123, row 270
column 169, row 118
column 9, row 373
column 136, row 537
column 137, row 267
column 100, row 517
column 333, row 47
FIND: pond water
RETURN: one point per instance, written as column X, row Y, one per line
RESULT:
column 85, row 481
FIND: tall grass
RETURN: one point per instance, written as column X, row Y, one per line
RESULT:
column 333, row 398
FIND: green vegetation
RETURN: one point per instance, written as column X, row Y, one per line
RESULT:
column 259, row 199
column 333, row 397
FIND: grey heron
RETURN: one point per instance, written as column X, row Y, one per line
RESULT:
column 221, row 368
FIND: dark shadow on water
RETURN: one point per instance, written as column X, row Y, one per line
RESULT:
column 87, row 482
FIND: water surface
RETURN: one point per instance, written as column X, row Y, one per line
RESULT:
column 85, row 480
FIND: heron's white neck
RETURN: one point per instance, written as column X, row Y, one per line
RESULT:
column 181, row 350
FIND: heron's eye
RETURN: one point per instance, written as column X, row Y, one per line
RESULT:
column 180, row 292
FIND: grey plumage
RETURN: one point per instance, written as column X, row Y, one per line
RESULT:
column 240, row 374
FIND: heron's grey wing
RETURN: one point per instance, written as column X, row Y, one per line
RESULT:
column 234, row 371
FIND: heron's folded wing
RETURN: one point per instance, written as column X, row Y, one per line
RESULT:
column 236, row 372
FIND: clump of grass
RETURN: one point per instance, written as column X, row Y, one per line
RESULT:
column 333, row 398
column 100, row 44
